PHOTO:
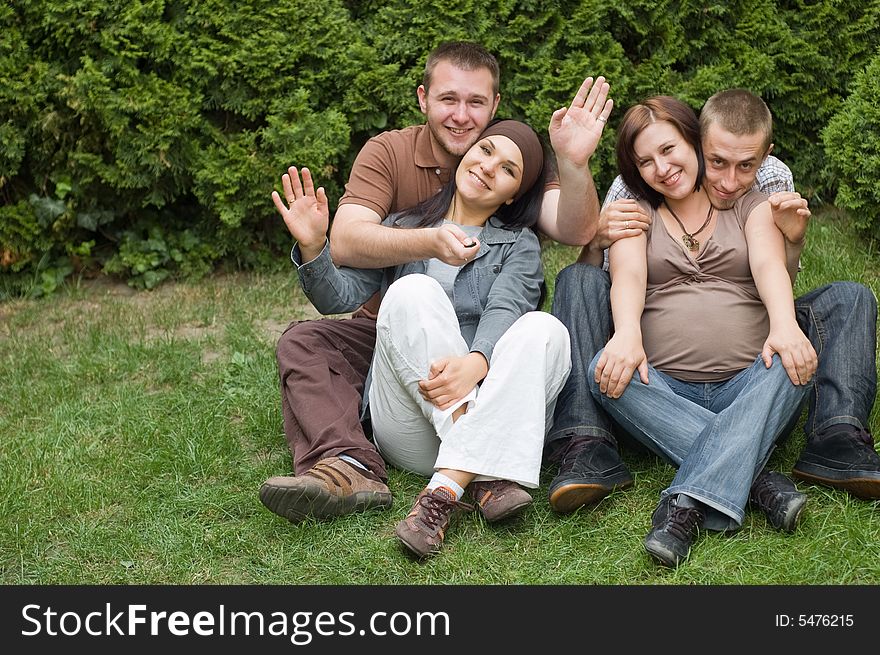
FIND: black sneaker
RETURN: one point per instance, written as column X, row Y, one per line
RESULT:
column 675, row 524
column 842, row 457
column 776, row 496
column 591, row 469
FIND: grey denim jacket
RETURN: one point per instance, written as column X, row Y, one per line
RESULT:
column 503, row 282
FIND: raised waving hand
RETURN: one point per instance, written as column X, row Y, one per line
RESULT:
column 306, row 214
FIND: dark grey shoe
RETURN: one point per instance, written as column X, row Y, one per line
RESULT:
column 675, row 525
column 842, row 457
column 591, row 469
column 776, row 496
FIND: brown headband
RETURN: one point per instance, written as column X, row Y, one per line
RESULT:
column 529, row 145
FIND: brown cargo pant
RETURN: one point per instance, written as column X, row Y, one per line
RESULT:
column 322, row 365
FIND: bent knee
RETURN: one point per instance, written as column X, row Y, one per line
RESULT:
column 862, row 296
column 302, row 337
column 407, row 295
column 591, row 369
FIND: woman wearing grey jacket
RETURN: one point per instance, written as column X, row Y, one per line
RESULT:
column 465, row 374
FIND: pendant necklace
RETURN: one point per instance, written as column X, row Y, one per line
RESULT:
column 688, row 238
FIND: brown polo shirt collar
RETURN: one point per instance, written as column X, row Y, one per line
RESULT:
column 430, row 154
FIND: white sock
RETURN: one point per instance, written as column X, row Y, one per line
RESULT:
column 353, row 461
column 440, row 480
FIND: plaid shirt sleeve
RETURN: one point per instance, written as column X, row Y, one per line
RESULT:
column 773, row 177
column 617, row 191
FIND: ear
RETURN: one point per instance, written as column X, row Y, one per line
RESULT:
column 769, row 150
column 422, row 93
column 509, row 201
column 495, row 104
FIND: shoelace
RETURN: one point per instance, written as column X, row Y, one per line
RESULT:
column 763, row 494
column 683, row 521
column 575, row 447
column 865, row 437
column 488, row 487
column 437, row 508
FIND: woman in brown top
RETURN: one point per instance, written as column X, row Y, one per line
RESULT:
column 703, row 310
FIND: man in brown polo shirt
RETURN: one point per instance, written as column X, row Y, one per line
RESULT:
column 323, row 364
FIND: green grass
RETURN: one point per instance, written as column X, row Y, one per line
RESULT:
column 136, row 430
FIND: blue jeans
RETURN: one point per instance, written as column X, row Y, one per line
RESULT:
column 719, row 435
column 839, row 319
column 581, row 302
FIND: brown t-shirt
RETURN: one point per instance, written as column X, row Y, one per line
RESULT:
column 703, row 320
column 398, row 169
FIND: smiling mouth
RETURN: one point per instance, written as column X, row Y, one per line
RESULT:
column 457, row 131
column 478, row 179
column 672, row 179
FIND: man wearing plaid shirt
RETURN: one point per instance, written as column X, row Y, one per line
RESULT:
column 838, row 318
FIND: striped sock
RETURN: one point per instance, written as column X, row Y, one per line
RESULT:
column 448, row 484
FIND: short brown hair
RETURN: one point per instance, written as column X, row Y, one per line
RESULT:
column 739, row 112
column 465, row 55
column 636, row 119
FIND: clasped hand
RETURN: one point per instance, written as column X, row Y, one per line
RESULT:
column 452, row 378
column 620, row 219
column 453, row 246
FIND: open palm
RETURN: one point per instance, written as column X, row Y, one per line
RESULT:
column 307, row 213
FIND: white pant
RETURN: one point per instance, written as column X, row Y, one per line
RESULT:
column 502, row 434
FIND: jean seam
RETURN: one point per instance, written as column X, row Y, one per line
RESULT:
column 737, row 514
column 837, row 420
column 579, row 431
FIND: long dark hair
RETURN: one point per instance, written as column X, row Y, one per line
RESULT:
column 519, row 214
column 636, row 119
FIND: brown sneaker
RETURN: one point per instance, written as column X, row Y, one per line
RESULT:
column 499, row 499
column 423, row 529
column 332, row 487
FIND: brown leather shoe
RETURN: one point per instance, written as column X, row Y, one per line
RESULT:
column 423, row 529
column 499, row 499
column 331, row 488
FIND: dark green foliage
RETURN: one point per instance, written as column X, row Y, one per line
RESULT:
column 144, row 137
column 852, row 143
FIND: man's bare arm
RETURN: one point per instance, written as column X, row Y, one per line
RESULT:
column 358, row 239
column 570, row 215
column 791, row 214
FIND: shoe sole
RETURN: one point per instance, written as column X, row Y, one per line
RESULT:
column 570, row 497
column 662, row 555
column 794, row 516
column 866, row 488
column 297, row 504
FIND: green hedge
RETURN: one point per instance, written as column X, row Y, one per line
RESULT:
column 852, row 143
column 143, row 138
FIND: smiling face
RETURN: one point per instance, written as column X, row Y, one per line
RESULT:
column 458, row 105
column 665, row 160
column 490, row 173
column 732, row 163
